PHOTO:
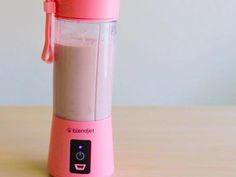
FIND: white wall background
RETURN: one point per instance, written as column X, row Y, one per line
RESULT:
column 171, row 52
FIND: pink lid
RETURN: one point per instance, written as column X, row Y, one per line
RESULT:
column 88, row 9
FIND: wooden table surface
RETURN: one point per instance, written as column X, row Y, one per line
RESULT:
column 149, row 142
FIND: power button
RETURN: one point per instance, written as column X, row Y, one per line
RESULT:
column 80, row 156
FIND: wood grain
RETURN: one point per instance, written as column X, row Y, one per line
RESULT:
column 149, row 142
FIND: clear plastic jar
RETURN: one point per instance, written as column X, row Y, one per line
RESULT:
column 83, row 69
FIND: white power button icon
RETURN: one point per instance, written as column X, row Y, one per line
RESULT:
column 80, row 156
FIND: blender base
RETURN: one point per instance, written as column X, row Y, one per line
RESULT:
column 81, row 149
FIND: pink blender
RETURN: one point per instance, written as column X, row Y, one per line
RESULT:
column 83, row 54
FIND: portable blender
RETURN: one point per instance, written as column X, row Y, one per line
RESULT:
column 83, row 57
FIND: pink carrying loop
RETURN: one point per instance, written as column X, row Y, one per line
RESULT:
column 48, row 54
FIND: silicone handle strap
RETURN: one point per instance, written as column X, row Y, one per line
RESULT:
column 48, row 54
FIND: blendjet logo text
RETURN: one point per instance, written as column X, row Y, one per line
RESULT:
column 78, row 130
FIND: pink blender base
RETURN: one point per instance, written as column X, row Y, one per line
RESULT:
column 81, row 149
